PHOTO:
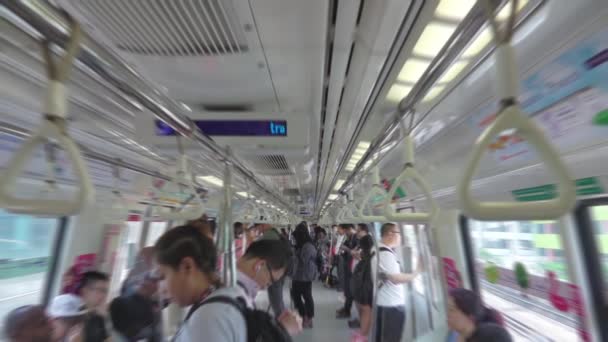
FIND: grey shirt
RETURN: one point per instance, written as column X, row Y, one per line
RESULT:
column 305, row 263
column 216, row 321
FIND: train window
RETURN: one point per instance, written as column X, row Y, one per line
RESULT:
column 26, row 245
column 155, row 231
column 522, row 271
column 599, row 217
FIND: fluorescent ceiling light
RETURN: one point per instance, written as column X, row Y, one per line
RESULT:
column 433, row 38
column 363, row 144
column 332, row 197
column 412, row 70
column 339, row 184
column 452, row 72
column 242, row 194
column 211, row 180
column 506, row 10
column 358, row 154
column 435, row 90
column 454, row 9
column 481, row 41
column 398, row 92
column 186, row 107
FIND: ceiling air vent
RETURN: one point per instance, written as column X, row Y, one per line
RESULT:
column 167, row 27
column 272, row 165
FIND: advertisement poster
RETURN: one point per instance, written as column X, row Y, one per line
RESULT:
column 37, row 168
column 567, row 98
column 109, row 248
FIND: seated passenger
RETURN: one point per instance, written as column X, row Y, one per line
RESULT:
column 133, row 319
column 472, row 321
column 390, row 300
column 68, row 313
column 264, row 262
column 143, row 281
column 28, row 324
column 93, row 289
column 186, row 262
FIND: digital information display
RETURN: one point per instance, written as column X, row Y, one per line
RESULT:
column 243, row 128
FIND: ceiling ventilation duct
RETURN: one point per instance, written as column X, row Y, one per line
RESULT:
column 165, row 27
column 271, row 165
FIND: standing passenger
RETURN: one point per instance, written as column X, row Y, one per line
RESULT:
column 186, row 263
column 347, row 248
column 363, row 286
column 275, row 290
column 305, row 271
column 263, row 263
column 390, row 300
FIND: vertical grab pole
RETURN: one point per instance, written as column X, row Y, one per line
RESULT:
column 229, row 265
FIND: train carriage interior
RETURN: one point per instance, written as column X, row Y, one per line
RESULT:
column 478, row 129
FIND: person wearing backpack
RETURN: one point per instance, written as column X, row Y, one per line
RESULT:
column 363, row 287
column 390, row 299
column 275, row 290
column 305, row 271
column 186, row 262
column 263, row 263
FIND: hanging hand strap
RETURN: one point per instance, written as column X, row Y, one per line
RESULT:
column 196, row 211
column 510, row 116
column 52, row 128
column 410, row 173
column 376, row 190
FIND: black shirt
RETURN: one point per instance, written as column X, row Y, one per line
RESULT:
column 95, row 328
column 351, row 243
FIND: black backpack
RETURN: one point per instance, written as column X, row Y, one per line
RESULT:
column 261, row 326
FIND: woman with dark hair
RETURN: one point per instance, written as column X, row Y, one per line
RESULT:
column 472, row 321
column 362, row 286
column 186, row 263
column 304, row 272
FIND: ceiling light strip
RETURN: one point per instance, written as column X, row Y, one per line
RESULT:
column 463, row 34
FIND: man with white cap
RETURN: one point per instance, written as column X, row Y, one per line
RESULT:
column 67, row 313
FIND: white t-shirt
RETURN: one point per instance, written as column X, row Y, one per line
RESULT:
column 389, row 294
column 216, row 321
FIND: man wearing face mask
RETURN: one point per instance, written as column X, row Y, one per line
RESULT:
column 264, row 263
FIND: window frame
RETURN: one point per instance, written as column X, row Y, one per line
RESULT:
column 56, row 253
column 590, row 252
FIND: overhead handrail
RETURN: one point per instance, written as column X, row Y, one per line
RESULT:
column 184, row 176
column 376, row 190
column 410, row 173
column 510, row 116
column 54, row 127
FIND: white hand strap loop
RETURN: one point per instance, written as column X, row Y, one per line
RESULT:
column 53, row 128
column 376, row 190
column 511, row 117
column 411, row 173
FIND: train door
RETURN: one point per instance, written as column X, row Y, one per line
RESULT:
column 592, row 222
